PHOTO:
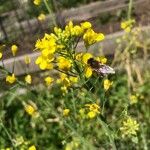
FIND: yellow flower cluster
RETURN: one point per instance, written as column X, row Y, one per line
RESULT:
column 134, row 98
column 127, row 25
column 61, row 43
column 47, row 46
column 90, row 37
column 58, row 51
column 90, row 111
column 63, row 63
column 129, row 128
column 66, row 81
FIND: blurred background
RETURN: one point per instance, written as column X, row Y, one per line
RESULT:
column 21, row 20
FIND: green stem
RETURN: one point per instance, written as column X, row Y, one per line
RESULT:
column 73, row 101
column 6, row 131
column 108, row 133
column 50, row 12
column 130, row 9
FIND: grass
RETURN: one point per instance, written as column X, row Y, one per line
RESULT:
column 53, row 130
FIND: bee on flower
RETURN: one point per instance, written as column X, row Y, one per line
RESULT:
column 58, row 51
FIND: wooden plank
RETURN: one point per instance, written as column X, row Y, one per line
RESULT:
column 85, row 12
column 95, row 9
column 108, row 46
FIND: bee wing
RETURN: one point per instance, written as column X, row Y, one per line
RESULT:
column 104, row 70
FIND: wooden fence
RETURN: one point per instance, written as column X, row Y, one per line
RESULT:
column 108, row 46
column 13, row 26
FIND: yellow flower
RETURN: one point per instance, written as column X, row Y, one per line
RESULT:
column 27, row 60
column 14, row 49
column 130, row 127
column 63, row 63
column 66, row 82
column 86, row 57
column 1, row 55
column 73, row 79
column 107, row 84
column 73, row 145
column 66, row 112
column 77, row 30
column 11, row 78
column 93, row 109
column 41, row 17
column 32, row 147
column 82, row 112
column 57, row 30
column 19, row 140
column 88, row 72
column 37, row 2
column 71, row 30
column 28, row 79
column 64, row 90
column 90, row 37
column 86, row 25
column 133, row 99
column 45, row 62
column 47, row 45
column 30, row 109
column 8, row 148
column 91, row 114
column 127, row 25
column 102, row 59
column 79, row 56
column 62, row 77
column 48, row 80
